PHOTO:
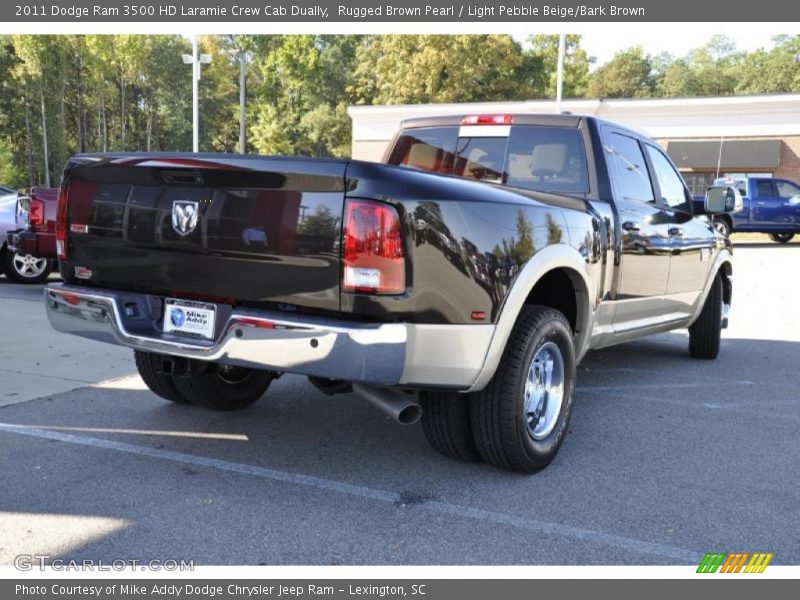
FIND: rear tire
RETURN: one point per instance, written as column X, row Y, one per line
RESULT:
column 25, row 268
column 781, row 238
column 520, row 419
column 223, row 388
column 162, row 385
column 446, row 423
column 706, row 331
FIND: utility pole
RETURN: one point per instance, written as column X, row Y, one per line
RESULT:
column 562, row 47
column 196, row 60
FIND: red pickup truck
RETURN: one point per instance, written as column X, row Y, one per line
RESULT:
column 32, row 251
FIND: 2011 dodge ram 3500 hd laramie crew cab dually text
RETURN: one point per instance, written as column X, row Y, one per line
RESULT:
column 464, row 280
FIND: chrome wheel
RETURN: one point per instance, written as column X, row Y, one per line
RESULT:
column 28, row 266
column 544, row 391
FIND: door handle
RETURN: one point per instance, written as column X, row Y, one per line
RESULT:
column 675, row 232
column 631, row 226
column 761, row 203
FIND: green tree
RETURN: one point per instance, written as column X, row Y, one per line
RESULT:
column 300, row 84
column 544, row 49
column 679, row 79
column 773, row 71
column 627, row 75
column 10, row 175
column 398, row 69
column 716, row 66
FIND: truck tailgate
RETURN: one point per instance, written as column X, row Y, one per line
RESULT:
column 252, row 229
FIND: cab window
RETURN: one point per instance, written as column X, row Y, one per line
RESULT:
column 673, row 190
column 428, row 149
column 631, row 178
column 787, row 190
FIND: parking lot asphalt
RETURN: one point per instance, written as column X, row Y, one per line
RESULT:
column 667, row 458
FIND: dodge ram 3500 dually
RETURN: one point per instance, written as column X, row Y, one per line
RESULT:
column 462, row 281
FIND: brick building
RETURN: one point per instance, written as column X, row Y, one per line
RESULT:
column 733, row 135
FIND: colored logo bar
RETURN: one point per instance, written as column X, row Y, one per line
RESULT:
column 735, row 562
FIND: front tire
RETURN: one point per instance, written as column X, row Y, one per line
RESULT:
column 520, row 419
column 446, row 423
column 705, row 333
column 781, row 238
column 223, row 388
column 26, row 268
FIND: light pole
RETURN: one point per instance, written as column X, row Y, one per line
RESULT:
column 196, row 60
column 562, row 43
column 238, row 53
column 243, row 58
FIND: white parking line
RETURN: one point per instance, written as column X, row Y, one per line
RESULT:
column 465, row 512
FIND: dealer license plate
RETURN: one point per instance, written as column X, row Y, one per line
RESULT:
column 186, row 317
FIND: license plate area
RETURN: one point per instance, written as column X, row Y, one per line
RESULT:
column 189, row 318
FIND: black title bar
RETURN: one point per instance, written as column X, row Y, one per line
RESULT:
column 267, row 11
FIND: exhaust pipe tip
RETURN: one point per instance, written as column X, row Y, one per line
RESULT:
column 410, row 414
column 398, row 406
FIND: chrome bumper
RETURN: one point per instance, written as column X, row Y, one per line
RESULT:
column 367, row 353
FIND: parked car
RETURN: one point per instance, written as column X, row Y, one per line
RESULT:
column 474, row 271
column 33, row 247
column 17, row 266
column 20, row 265
column 769, row 205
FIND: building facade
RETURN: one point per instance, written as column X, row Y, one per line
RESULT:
column 705, row 137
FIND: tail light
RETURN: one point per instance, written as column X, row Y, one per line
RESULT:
column 61, row 223
column 487, row 120
column 373, row 249
column 35, row 213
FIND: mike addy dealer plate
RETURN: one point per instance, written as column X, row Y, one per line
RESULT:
column 185, row 317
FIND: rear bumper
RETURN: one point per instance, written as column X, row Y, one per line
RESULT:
column 387, row 354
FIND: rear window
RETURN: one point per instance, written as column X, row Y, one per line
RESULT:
column 549, row 159
column 481, row 158
column 429, row 149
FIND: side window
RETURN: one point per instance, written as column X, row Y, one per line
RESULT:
column 787, row 189
column 428, row 149
column 673, row 190
column 481, row 158
column 764, row 189
column 629, row 169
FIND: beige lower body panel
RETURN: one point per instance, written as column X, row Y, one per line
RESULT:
column 445, row 355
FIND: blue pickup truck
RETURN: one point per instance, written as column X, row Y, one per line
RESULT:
column 769, row 205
